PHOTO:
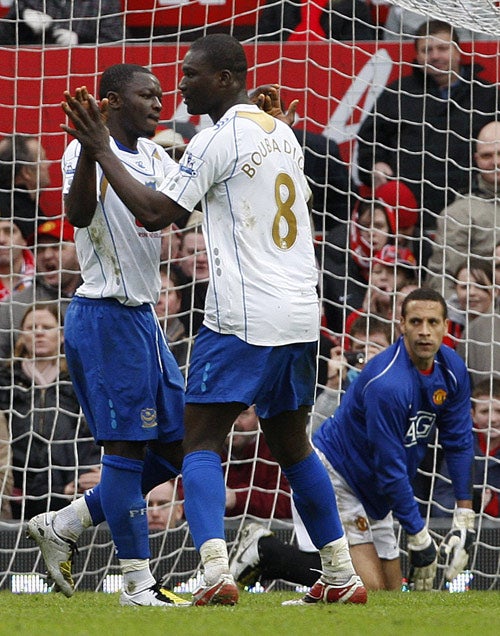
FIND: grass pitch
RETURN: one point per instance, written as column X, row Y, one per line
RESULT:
column 386, row 614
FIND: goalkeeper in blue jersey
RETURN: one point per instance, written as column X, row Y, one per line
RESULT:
column 378, row 436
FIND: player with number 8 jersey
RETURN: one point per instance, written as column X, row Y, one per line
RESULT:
column 258, row 342
column 257, row 225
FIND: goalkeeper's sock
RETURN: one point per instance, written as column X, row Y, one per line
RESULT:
column 71, row 521
column 205, row 496
column 315, row 500
column 124, row 506
column 157, row 470
column 278, row 560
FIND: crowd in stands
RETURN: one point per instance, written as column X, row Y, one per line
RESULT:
column 62, row 23
column 425, row 213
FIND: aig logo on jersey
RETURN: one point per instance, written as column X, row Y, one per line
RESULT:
column 439, row 397
column 420, row 428
column 148, row 418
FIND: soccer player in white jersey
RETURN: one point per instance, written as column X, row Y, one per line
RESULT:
column 261, row 308
column 126, row 379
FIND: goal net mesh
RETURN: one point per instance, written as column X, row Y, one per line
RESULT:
column 337, row 80
column 481, row 16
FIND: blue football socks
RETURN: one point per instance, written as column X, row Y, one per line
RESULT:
column 156, row 470
column 124, row 506
column 315, row 500
column 93, row 501
column 205, row 496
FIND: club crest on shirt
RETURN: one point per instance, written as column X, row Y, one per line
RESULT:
column 148, row 418
column 439, row 397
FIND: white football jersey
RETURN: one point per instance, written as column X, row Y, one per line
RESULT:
column 247, row 171
column 118, row 257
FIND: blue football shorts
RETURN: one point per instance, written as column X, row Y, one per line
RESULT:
column 126, row 379
column 224, row 368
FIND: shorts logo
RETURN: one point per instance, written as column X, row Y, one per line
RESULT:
column 361, row 523
column 148, row 418
column 439, row 397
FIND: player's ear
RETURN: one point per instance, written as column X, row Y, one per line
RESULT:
column 225, row 78
column 113, row 99
column 402, row 325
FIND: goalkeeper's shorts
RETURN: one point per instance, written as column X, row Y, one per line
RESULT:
column 224, row 368
column 358, row 526
column 126, row 379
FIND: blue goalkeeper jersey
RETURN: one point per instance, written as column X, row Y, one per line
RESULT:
column 378, row 436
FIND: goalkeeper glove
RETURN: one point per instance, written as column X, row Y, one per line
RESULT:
column 423, row 561
column 457, row 543
column 37, row 21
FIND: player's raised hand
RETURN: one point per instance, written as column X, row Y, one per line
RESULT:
column 456, row 545
column 423, row 561
column 87, row 118
column 267, row 98
column 82, row 95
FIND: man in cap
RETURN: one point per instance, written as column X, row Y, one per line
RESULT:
column 57, row 277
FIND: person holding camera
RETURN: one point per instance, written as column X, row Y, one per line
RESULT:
column 368, row 336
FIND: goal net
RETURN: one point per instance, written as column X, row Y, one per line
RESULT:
column 480, row 16
column 348, row 63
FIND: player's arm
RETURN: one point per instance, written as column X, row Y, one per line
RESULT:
column 456, row 545
column 422, row 549
column 456, row 437
column 153, row 209
column 81, row 200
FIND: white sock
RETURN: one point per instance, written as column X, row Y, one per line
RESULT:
column 336, row 561
column 71, row 521
column 215, row 560
column 136, row 575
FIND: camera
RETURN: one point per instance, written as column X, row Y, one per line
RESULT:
column 355, row 357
